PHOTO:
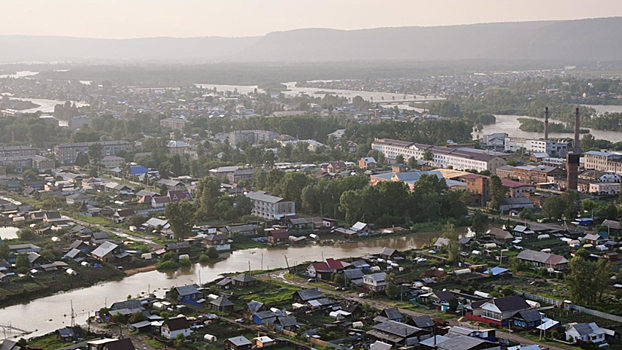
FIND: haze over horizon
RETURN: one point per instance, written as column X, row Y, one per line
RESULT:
column 120, row 19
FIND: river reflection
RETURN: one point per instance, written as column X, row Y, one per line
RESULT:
column 50, row 313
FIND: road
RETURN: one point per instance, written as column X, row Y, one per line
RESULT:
column 381, row 304
column 117, row 232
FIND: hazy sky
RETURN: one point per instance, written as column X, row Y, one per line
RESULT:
column 191, row 18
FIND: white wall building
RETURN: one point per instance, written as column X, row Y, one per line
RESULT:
column 270, row 207
column 443, row 157
column 550, row 147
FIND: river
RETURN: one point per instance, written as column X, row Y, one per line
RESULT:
column 8, row 232
column 20, row 74
column 510, row 124
column 293, row 90
column 50, row 313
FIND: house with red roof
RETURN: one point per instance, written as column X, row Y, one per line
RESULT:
column 518, row 189
column 325, row 269
column 278, row 236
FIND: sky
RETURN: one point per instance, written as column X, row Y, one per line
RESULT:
column 192, row 18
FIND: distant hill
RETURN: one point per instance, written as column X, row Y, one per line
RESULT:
column 576, row 40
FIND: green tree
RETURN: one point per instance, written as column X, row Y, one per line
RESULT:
column 350, row 204
column 338, row 279
column 553, row 208
column 181, row 216
column 292, row 185
column 26, row 234
column 428, row 156
column 179, row 341
column 608, row 211
column 450, row 233
column 392, row 288
column 412, row 163
column 479, row 222
column 498, row 192
column 37, row 134
column 570, row 200
column 22, row 263
column 207, row 195
column 588, row 280
column 268, row 158
column 137, row 220
column 399, row 159
column 212, row 253
column 95, row 153
column 4, row 250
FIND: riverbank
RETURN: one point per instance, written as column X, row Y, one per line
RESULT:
column 29, row 288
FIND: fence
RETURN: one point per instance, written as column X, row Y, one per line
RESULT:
column 573, row 307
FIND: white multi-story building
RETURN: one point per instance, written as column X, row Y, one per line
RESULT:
column 604, row 161
column 605, row 188
column 443, row 157
column 270, row 207
column 550, row 147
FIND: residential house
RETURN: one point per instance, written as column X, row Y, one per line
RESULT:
column 396, row 333
column 462, row 342
column 111, row 344
column 306, row 295
column 278, row 236
column 244, row 280
column 500, row 235
column 423, row 322
column 354, row 277
column 106, row 252
column 388, row 253
column 77, row 198
column 263, row 342
column 173, row 327
column 264, row 317
column 584, row 333
column 160, row 201
column 251, row 308
column 368, row 163
column 122, row 215
column 324, row 270
column 238, row 343
column 336, row 167
column 289, row 323
column 219, row 241
column 498, row 311
column 178, row 195
column 435, row 274
column 188, row 294
column 222, row 304
column 224, row 283
column 375, row 282
column 178, row 247
column 543, row 260
column 392, row 313
column 527, row 319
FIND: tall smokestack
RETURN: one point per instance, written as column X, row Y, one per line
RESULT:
column 546, row 123
column 577, row 125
